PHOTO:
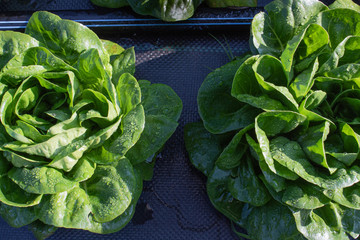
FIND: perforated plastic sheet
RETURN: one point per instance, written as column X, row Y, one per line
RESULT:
column 49, row 5
column 174, row 205
column 56, row 5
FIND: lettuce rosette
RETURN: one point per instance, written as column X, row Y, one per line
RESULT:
column 79, row 133
column 173, row 10
column 279, row 139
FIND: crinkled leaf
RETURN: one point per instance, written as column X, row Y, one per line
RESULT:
column 160, row 100
column 303, row 82
column 312, row 101
column 318, row 224
column 346, row 72
column 69, row 156
column 269, row 73
column 221, row 198
column 13, row 44
column 157, row 131
column 110, row 190
column 112, row 48
column 277, row 122
column 275, row 181
column 31, row 132
column 92, row 70
column 271, row 32
column 271, row 124
column 232, row 155
column 271, row 221
column 345, row 4
column 246, row 187
column 102, row 112
column 12, row 195
column 102, row 198
column 118, row 145
column 68, row 123
column 293, row 158
column 50, row 148
column 173, row 10
column 41, row 230
column 313, row 144
column 349, row 219
column 33, row 61
column 6, row 109
column 20, row 160
column 41, row 180
column 120, row 222
column 203, row 147
column 17, row 216
column 246, row 88
column 269, row 69
column 132, row 126
column 302, row 46
column 348, row 197
column 69, row 209
column 83, row 170
column 345, row 53
column 304, row 196
column 38, row 56
column 351, row 144
column 66, row 39
column 215, row 95
column 129, row 92
column 115, row 225
column 339, row 23
column 123, row 62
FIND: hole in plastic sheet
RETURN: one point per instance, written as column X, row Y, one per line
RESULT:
column 143, row 213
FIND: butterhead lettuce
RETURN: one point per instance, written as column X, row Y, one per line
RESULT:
column 279, row 138
column 78, row 132
column 172, row 10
